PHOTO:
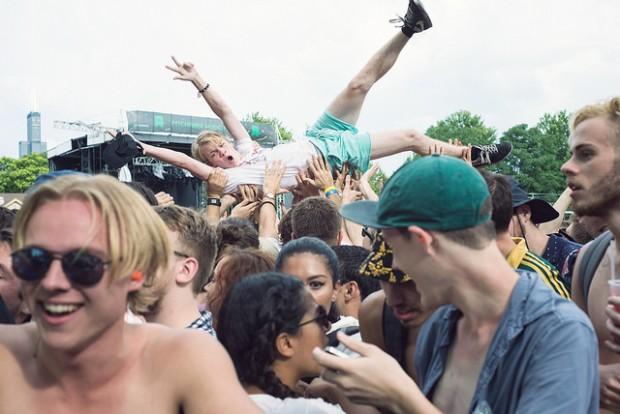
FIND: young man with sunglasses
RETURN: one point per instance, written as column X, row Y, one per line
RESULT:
column 83, row 245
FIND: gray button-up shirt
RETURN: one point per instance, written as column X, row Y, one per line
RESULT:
column 542, row 359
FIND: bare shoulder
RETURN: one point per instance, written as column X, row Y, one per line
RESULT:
column 18, row 339
column 371, row 319
column 198, row 369
column 162, row 344
column 17, row 345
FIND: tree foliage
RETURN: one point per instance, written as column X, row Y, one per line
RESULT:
column 538, row 153
column 467, row 127
column 285, row 133
column 16, row 175
column 377, row 181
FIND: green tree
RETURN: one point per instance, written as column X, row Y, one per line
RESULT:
column 467, row 127
column 538, row 153
column 285, row 133
column 377, row 181
column 16, row 175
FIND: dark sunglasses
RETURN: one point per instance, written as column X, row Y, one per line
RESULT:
column 32, row 263
column 322, row 319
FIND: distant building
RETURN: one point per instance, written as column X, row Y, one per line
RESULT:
column 171, row 131
column 12, row 201
column 33, row 143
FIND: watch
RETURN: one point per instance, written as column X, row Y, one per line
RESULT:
column 213, row 201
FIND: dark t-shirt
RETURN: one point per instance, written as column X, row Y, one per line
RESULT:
column 557, row 250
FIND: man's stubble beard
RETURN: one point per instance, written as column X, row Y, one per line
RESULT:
column 603, row 197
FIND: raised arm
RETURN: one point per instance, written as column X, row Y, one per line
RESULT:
column 267, row 225
column 561, row 205
column 178, row 159
column 186, row 71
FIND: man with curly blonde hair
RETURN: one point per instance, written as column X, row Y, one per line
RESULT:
column 84, row 246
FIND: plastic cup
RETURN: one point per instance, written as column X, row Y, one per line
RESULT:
column 614, row 290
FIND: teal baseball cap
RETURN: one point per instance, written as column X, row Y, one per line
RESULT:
column 435, row 193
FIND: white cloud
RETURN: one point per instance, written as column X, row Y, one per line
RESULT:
column 508, row 61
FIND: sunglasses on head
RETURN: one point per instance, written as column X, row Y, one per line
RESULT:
column 32, row 263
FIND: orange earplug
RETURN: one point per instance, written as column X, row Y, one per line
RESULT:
column 137, row 276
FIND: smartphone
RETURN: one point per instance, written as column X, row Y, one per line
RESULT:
column 341, row 351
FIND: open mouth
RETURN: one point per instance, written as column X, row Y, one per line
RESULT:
column 59, row 309
column 230, row 158
column 574, row 187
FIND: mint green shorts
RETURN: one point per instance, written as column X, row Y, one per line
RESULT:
column 340, row 142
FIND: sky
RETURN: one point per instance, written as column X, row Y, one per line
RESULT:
column 508, row 61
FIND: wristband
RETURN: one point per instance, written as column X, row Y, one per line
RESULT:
column 330, row 188
column 212, row 201
column 331, row 192
column 268, row 202
column 201, row 91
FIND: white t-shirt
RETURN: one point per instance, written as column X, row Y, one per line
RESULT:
column 273, row 405
column 295, row 156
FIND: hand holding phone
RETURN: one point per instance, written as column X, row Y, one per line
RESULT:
column 341, row 351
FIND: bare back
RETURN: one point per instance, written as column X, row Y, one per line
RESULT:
column 163, row 371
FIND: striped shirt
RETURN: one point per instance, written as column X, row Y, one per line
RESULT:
column 523, row 259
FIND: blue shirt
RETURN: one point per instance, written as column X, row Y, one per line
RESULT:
column 557, row 250
column 543, row 357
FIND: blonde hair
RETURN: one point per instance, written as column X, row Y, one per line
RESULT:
column 205, row 138
column 609, row 109
column 137, row 238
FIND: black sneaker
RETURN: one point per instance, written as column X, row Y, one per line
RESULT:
column 416, row 19
column 489, row 154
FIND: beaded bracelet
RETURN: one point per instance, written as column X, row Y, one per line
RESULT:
column 201, row 91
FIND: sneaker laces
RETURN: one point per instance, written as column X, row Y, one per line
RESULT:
column 398, row 21
column 491, row 148
column 485, row 153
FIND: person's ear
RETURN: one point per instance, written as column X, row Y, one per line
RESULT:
column 351, row 291
column 337, row 287
column 187, row 271
column 423, row 237
column 285, row 345
column 136, row 280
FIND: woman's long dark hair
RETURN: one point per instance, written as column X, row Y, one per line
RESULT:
column 256, row 310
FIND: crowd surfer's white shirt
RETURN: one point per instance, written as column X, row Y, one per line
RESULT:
column 295, row 156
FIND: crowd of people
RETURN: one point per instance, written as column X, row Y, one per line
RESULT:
column 449, row 291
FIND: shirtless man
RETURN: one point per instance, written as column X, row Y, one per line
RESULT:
column 392, row 317
column 334, row 135
column 82, row 246
column 593, row 173
column 500, row 342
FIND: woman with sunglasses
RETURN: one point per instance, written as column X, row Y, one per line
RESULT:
column 312, row 261
column 269, row 324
